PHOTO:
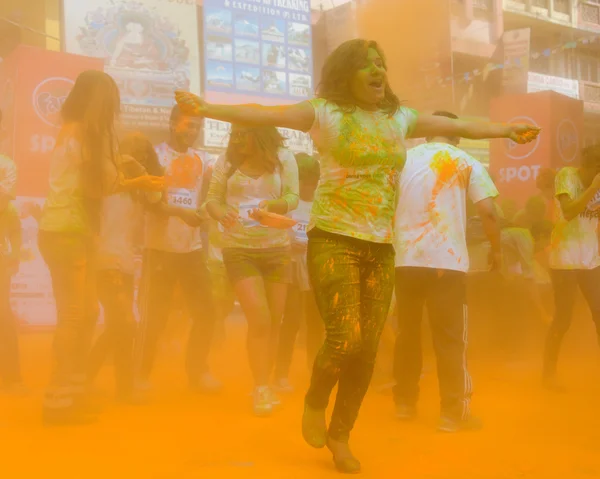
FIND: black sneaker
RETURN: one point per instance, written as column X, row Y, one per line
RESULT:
column 405, row 412
column 451, row 425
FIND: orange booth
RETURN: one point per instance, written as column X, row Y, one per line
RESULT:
column 515, row 167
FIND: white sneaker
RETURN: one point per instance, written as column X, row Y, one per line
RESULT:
column 262, row 401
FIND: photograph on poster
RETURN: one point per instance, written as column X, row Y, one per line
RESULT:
column 219, row 48
column 275, row 36
column 219, row 75
column 273, row 55
column 247, row 51
column 247, row 78
column 272, row 29
column 274, row 82
column 246, row 25
column 218, row 20
column 299, row 59
column 300, row 85
column 299, row 33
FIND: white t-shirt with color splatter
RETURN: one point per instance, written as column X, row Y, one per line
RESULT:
column 184, row 176
column 361, row 155
column 431, row 218
column 574, row 244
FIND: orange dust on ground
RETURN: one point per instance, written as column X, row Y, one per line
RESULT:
column 528, row 433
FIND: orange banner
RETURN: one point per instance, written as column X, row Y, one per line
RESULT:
column 516, row 167
column 39, row 81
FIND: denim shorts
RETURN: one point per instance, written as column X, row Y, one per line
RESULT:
column 272, row 264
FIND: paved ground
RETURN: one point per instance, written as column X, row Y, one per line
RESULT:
column 528, row 434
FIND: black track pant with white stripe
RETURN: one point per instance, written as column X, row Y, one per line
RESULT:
column 444, row 294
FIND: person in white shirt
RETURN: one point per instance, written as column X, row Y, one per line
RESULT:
column 173, row 256
column 431, row 265
column 574, row 252
column 300, row 307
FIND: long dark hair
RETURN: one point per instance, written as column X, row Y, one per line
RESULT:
column 339, row 69
column 268, row 140
column 93, row 104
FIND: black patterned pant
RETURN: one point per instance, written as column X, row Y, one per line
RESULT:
column 353, row 281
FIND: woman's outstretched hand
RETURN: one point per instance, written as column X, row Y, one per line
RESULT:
column 521, row 133
column 190, row 104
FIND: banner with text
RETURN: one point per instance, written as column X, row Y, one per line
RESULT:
column 257, row 51
column 150, row 48
column 515, row 167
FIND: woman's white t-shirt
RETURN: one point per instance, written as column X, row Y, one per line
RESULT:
column 574, row 243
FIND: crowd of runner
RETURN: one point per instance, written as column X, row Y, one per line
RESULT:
column 321, row 242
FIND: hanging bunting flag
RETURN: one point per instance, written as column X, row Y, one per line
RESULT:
column 519, row 62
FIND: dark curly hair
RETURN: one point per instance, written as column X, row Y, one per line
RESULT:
column 339, row 69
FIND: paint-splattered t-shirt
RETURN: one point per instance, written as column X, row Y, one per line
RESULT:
column 431, row 218
column 361, row 155
column 574, row 243
column 184, row 176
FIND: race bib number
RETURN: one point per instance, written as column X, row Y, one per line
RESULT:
column 183, row 198
column 300, row 230
column 244, row 212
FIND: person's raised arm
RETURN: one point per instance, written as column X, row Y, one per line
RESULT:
column 430, row 126
column 300, row 116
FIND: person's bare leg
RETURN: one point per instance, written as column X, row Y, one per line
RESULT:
column 276, row 297
column 253, row 300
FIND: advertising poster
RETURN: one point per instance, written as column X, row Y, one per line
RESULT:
column 150, row 48
column 34, row 84
column 31, row 296
column 257, row 51
column 514, row 167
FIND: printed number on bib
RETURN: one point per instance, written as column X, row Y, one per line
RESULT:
column 244, row 212
column 300, row 230
column 183, row 198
